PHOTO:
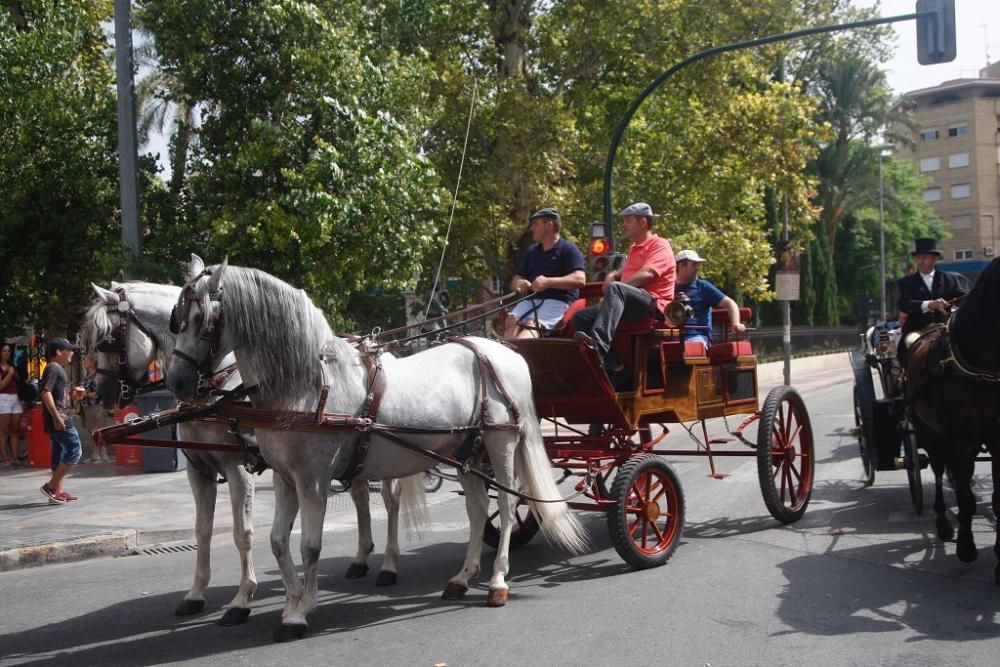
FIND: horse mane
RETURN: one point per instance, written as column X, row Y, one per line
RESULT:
column 975, row 328
column 279, row 330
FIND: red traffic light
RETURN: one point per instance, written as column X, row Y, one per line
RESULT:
column 599, row 247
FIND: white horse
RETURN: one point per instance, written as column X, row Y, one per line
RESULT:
column 147, row 307
column 152, row 305
column 285, row 348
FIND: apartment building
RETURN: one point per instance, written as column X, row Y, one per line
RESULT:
column 958, row 148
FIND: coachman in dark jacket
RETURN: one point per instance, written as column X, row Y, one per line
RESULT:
column 918, row 300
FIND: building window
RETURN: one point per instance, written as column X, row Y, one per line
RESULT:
column 958, row 130
column 958, row 160
column 961, row 222
column 932, row 194
column 930, row 135
column 963, row 254
column 961, row 191
column 495, row 284
column 930, row 164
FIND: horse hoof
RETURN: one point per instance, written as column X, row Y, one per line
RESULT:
column 289, row 633
column 235, row 616
column 497, row 597
column 967, row 554
column 945, row 531
column 385, row 578
column 356, row 571
column 189, row 608
column 454, row 591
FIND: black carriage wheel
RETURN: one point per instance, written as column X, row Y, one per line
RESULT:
column 785, row 455
column 525, row 526
column 864, row 444
column 432, row 482
column 911, row 461
column 647, row 519
column 864, row 415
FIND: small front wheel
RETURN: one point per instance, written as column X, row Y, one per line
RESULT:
column 785, row 457
column 432, row 481
column 647, row 518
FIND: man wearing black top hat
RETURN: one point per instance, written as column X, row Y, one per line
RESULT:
column 926, row 291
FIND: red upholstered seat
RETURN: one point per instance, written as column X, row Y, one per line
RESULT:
column 729, row 351
column 676, row 351
column 622, row 343
column 565, row 326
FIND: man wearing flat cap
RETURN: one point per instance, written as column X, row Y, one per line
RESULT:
column 552, row 269
column 926, row 291
column 643, row 286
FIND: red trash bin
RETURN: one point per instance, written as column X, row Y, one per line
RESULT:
column 39, row 445
column 127, row 455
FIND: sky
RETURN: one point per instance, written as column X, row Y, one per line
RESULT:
column 977, row 29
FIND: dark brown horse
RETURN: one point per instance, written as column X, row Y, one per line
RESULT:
column 955, row 389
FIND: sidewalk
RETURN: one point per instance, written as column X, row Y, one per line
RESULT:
column 122, row 509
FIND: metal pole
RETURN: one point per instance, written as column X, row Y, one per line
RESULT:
column 127, row 143
column 786, row 305
column 881, row 233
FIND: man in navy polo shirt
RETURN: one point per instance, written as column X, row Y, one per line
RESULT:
column 553, row 269
column 702, row 297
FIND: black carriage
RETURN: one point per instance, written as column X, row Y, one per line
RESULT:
column 886, row 437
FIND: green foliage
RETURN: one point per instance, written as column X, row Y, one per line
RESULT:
column 58, row 204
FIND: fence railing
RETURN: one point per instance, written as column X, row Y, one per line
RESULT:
column 767, row 341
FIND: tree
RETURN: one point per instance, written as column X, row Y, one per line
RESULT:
column 58, row 205
column 302, row 167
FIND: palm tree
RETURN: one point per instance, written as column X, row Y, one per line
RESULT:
column 162, row 104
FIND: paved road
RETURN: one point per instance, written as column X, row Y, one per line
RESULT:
column 860, row 580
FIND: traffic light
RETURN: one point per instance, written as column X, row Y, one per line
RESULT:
column 936, row 32
column 599, row 253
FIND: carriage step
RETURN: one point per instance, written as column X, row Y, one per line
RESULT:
column 719, row 441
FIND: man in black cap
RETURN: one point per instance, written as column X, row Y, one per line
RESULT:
column 56, row 401
column 553, row 269
column 926, row 291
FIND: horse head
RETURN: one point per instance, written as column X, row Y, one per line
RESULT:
column 196, row 321
column 126, row 326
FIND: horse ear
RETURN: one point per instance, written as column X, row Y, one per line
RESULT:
column 195, row 268
column 107, row 296
column 215, row 280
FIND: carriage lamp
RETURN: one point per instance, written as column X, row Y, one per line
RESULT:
column 678, row 311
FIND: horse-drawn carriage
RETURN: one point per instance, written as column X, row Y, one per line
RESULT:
column 673, row 382
column 886, row 436
column 459, row 404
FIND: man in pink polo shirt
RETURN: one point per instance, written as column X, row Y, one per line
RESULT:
column 644, row 285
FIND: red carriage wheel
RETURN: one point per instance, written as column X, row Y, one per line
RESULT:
column 785, row 455
column 647, row 518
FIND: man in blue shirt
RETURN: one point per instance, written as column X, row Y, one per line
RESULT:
column 702, row 297
column 553, row 269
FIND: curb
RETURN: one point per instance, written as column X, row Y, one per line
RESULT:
column 115, row 543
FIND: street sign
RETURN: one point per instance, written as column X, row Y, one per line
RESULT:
column 786, row 285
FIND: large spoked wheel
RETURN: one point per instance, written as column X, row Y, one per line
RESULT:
column 647, row 518
column 864, row 415
column 864, row 444
column 911, row 461
column 785, row 457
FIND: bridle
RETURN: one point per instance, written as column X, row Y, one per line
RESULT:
column 211, row 332
column 118, row 344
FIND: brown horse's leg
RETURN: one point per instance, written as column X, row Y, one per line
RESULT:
column 962, row 468
column 945, row 531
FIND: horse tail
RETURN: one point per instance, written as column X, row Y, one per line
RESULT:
column 533, row 468
column 413, row 503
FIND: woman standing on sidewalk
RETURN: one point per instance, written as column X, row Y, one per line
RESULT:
column 93, row 413
column 10, row 408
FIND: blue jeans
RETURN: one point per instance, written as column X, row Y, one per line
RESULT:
column 621, row 302
column 65, row 446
